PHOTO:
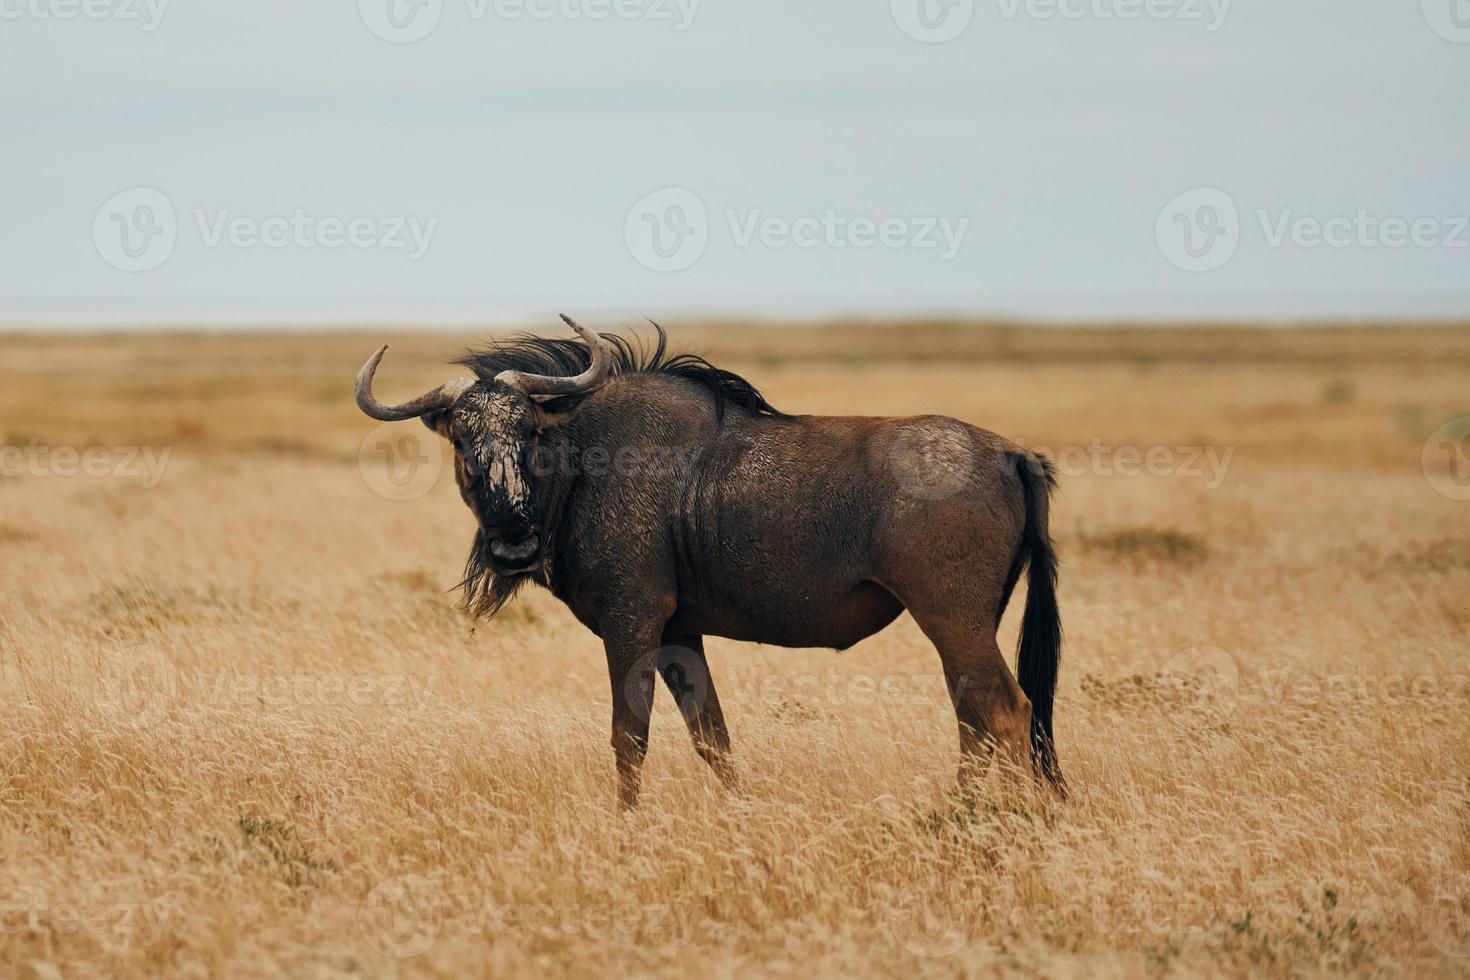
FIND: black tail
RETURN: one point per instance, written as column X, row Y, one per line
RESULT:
column 1041, row 625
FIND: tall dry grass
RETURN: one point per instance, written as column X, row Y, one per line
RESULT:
column 245, row 731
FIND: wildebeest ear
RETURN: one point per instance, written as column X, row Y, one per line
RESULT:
column 437, row 422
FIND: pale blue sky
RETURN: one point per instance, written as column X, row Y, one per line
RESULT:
column 520, row 145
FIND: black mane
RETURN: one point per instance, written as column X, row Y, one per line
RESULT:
column 564, row 358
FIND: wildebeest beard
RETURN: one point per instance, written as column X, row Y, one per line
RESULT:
column 483, row 590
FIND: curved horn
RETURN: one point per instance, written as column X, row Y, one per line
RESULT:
column 440, row 397
column 588, row 380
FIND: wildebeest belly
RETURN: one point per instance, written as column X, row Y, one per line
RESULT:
column 774, row 538
column 822, row 616
column 775, row 548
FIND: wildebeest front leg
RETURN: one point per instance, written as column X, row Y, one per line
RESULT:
column 632, row 660
column 685, row 670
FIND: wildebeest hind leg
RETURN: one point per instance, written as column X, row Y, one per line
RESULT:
column 989, row 705
column 686, row 672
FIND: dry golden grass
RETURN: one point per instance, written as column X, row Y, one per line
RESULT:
column 245, row 731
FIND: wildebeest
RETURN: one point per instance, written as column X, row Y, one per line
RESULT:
column 664, row 499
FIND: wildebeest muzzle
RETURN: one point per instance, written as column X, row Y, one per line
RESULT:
column 515, row 553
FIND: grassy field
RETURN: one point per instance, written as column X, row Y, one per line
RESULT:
column 244, row 729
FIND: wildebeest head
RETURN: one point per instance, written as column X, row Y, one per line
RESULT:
column 492, row 426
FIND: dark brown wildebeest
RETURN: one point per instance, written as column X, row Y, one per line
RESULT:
column 663, row 499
